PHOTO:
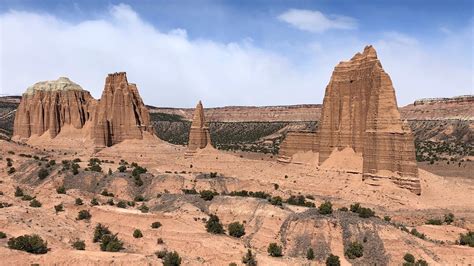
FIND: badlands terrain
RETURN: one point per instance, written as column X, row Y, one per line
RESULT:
column 70, row 162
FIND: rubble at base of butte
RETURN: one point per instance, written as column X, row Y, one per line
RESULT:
column 360, row 112
column 199, row 136
column 50, row 106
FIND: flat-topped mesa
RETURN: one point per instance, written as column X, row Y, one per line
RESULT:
column 120, row 113
column 49, row 105
column 199, row 136
column 360, row 111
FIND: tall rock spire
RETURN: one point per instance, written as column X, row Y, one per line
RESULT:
column 199, row 136
column 360, row 111
column 120, row 113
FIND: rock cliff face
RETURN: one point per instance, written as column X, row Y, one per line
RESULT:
column 199, row 136
column 297, row 141
column 49, row 105
column 120, row 113
column 360, row 111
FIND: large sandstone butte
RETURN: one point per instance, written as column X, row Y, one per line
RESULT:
column 50, row 105
column 120, row 113
column 199, row 136
column 360, row 111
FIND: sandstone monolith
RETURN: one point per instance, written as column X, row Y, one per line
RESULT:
column 360, row 111
column 295, row 142
column 120, row 113
column 199, row 136
column 50, row 105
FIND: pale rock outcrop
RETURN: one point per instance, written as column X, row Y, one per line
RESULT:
column 49, row 106
column 120, row 113
column 360, row 112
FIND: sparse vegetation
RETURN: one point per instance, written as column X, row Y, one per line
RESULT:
column 61, row 190
column 363, row 212
column 310, row 254
column 79, row 245
column 274, row 250
column 299, row 200
column 79, row 202
column 417, row 234
column 94, row 202
column 122, row 204
column 108, row 241
column 2, row 235
column 144, row 208
column 106, row 193
column 19, row 192
column 434, row 222
column 277, row 200
column 59, row 208
column 208, row 194
column 355, row 250
column 156, row 225
column 213, row 225
column 12, row 170
column 137, row 233
column 325, row 208
column 333, row 260
column 83, row 215
column 467, row 239
column 249, row 258
column 43, row 173
column 409, row 258
column 236, row 229
column 29, row 243
column 171, row 259
column 122, row 168
column 449, row 218
column 35, row 203
column 387, row 218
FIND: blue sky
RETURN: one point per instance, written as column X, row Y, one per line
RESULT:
column 236, row 52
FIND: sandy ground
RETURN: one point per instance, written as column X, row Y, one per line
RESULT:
column 183, row 230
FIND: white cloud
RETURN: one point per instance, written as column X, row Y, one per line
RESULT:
column 315, row 21
column 170, row 69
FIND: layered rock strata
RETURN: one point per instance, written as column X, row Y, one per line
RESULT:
column 360, row 111
column 49, row 106
column 199, row 136
column 297, row 141
column 120, row 113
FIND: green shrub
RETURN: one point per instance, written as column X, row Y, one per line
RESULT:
column 333, row 260
column 387, row 218
column 9, row 163
column 366, row 213
column 434, row 222
column 417, row 234
column 189, row 191
column 27, row 197
column 355, row 207
column 29, row 243
column 213, row 225
column 19, row 192
column 421, row 262
column 274, row 250
column 171, row 259
column 299, row 201
column 161, row 254
column 79, row 202
column 61, row 190
column 35, row 203
column 111, row 243
column 43, row 173
column 144, row 208
column 2, row 235
column 122, row 204
column 137, row 233
column 83, row 215
column 278, row 201
column 139, row 198
column 95, row 168
column 325, row 208
column 138, row 170
column 122, row 168
column 449, row 218
column 111, row 202
column 249, row 259
column 343, row 209
column 59, row 208
column 155, row 225
column 99, row 231
column 310, row 254
column 208, row 194
column 409, row 258
column 355, row 250
column 79, row 245
column 11, row 170
column 236, row 229
column 94, row 202
column 106, row 193
column 467, row 239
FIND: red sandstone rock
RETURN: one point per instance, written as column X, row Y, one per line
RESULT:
column 120, row 113
column 49, row 105
column 360, row 111
column 297, row 141
column 199, row 136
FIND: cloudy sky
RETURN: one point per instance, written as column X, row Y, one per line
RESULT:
column 236, row 52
